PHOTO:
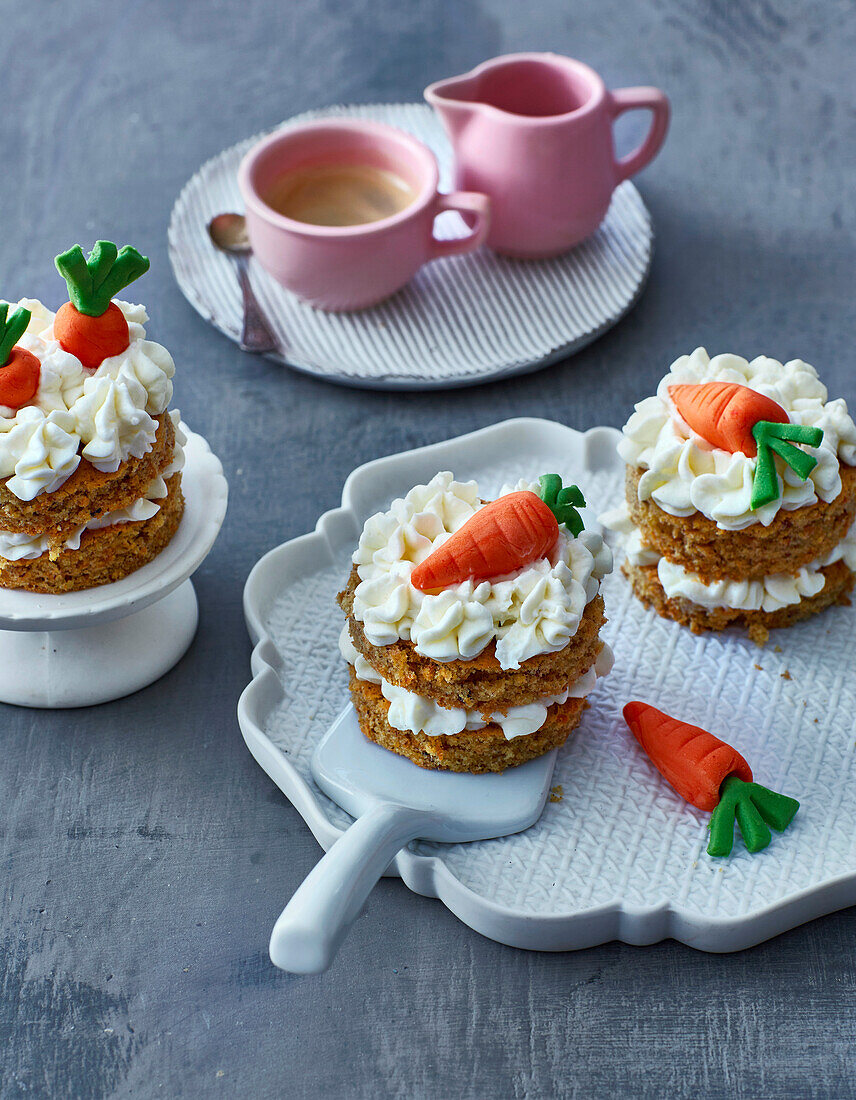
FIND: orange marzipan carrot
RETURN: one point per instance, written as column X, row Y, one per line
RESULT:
column 694, row 761
column 724, row 413
column 504, row 535
column 91, row 339
column 19, row 378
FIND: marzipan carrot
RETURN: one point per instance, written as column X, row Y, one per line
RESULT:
column 694, row 761
column 711, row 775
column 504, row 535
column 91, row 326
column 724, row 413
column 19, row 368
column 736, row 418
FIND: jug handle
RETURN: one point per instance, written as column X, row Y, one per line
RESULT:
column 634, row 99
column 475, row 208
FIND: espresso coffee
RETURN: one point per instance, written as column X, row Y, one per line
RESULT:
column 339, row 194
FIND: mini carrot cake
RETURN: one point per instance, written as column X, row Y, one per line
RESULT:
column 472, row 637
column 90, row 456
column 740, row 495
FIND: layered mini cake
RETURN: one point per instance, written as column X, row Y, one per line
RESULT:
column 740, row 495
column 90, row 455
column 472, row 634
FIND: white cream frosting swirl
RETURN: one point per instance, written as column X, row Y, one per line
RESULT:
column 765, row 594
column 112, row 422
column 38, row 452
column 684, row 474
column 419, row 714
column 535, row 610
column 108, row 410
column 769, row 593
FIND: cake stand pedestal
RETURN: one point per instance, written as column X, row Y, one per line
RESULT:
column 89, row 647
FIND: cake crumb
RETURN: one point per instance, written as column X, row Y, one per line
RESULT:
column 786, row 675
column 557, row 793
column 778, row 649
column 760, row 668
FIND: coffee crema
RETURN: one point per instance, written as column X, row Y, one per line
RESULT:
column 339, row 194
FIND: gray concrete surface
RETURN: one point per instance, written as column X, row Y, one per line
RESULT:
column 144, row 855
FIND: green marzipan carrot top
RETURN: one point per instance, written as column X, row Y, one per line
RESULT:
column 94, row 282
column 12, row 328
column 774, row 437
column 563, row 503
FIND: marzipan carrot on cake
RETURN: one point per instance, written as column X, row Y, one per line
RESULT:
column 503, row 536
column 724, row 413
column 711, row 775
column 91, row 326
column 736, row 418
column 19, row 368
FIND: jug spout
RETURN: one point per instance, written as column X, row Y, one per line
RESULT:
column 453, row 100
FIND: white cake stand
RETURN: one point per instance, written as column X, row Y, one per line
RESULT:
column 89, row 647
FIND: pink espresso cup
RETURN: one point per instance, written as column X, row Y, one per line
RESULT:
column 353, row 266
column 534, row 132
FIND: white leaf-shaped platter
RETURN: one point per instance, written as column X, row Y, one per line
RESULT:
column 619, row 855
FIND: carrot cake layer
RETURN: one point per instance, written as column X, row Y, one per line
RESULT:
column 482, row 680
column 450, row 668
column 90, row 492
column 482, row 749
column 422, row 713
column 741, row 494
column 698, row 543
column 103, row 551
column 836, row 582
column 136, row 504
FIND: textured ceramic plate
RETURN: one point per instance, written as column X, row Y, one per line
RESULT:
column 620, row 856
column 461, row 320
column 205, row 495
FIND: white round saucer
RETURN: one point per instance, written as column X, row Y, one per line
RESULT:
column 89, row 647
column 461, row 320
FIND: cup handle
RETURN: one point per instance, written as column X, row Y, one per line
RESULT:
column 633, row 99
column 473, row 203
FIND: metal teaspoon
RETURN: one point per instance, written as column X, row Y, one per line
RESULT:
column 228, row 232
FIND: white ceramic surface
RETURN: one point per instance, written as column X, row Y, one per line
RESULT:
column 461, row 320
column 103, row 643
column 621, row 856
column 393, row 802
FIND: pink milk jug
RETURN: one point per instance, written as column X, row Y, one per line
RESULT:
column 534, row 132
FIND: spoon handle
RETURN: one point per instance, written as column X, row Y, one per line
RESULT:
column 257, row 334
